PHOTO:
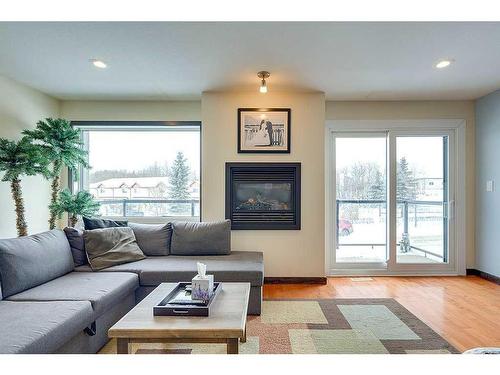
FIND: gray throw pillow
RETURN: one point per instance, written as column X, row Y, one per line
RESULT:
column 153, row 239
column 77, row 244
column 108, row 247
column 96, row 223
column 205, row 238
column 26, row 262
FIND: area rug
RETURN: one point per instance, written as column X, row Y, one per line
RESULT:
column 324, row 326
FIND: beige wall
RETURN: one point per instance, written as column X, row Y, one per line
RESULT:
column 288, row 252
column 416, row 110
column 131, row 110
column 20, row 108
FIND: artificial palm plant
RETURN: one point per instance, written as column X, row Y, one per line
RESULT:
column 17, row 159
column 63, row 147
column 79, row 204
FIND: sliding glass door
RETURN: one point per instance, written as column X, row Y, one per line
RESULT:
column 422, row 199
column 361, row 209
column 392, row 200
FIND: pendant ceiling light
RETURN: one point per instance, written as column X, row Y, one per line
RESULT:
column 263, row 85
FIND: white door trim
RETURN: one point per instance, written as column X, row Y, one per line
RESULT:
column 458, row 129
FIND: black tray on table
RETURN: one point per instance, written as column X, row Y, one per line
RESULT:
column 185, row 308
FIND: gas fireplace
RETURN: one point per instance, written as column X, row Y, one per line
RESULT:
column 263, row 195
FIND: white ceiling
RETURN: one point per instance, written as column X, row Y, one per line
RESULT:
column 166, row 60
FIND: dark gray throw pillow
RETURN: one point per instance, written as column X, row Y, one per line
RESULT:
column 77, row 244
column 26, row 262
column 108, row 247
column 95, row 223
column 153, row 239
column 205, row 238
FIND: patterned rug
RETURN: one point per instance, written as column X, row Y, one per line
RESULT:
column 325, row 326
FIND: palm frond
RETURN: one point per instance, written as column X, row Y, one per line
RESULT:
column 22, row 158
column 60, row 142
column 81, row 204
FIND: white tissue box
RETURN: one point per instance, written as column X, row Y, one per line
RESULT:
column 202, row 288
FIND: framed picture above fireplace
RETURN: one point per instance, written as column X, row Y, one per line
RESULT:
column 263, row 195
column 264, row 130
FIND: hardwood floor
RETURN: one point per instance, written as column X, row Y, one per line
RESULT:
column 464, row 310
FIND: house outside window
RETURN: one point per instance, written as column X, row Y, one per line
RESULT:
column 144, row 172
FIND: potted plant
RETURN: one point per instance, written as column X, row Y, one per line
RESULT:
column 17, row 159
column 63, row 147
column 79, row 204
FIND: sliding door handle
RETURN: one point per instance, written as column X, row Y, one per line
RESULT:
column 449, row 210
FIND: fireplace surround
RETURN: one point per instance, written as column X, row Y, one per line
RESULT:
column 263, row 195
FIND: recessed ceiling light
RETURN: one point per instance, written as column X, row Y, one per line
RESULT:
column 443, row 63
column 99, row 63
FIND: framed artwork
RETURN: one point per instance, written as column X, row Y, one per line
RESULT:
column 264, row 130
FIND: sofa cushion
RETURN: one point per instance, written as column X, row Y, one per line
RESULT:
column 29, row 261
column 41, row 327
column 205, row 238
column 103, row 290
column 107, row 247
column 153, row 239
column 77, row 245
column 239, row 266
column 96, row 223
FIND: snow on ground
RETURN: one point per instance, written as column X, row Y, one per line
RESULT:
column 427, row 235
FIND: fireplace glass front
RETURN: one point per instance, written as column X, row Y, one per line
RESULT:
column 265, row 196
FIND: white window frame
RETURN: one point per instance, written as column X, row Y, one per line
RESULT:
column 138, row 126
column 456, row 129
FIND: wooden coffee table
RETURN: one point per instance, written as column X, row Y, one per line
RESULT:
column 226, row 323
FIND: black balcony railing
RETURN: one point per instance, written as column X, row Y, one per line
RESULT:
column 149, row 207
column 403, row 207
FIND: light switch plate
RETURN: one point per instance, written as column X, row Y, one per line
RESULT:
column 490, row 185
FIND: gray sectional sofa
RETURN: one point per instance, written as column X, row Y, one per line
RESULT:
column 47, row 305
